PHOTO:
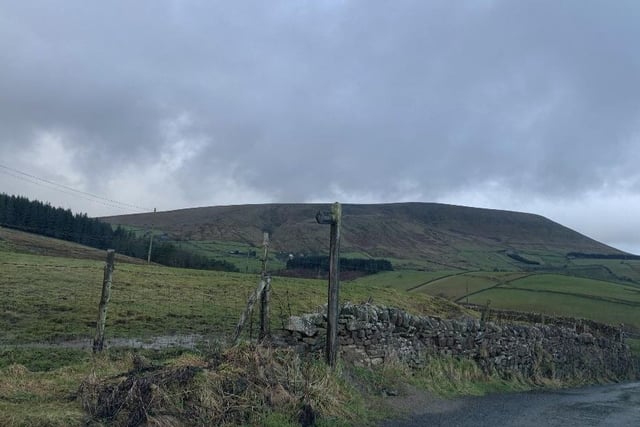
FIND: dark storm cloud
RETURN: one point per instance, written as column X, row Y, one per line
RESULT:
column 300, row 100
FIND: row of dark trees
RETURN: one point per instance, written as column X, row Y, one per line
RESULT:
column 41, row 218
column 521, row 259
column 321, row 263
column 603, row 256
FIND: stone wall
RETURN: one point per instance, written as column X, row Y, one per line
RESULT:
column 370, row 335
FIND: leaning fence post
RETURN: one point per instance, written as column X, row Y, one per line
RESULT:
column 263, row 286
column 265, row 329
column 98, row 342
column 249, row 310
column 333, row 310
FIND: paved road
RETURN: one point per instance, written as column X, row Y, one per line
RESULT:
column 611, row 405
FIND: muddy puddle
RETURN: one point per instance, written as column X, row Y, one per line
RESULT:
column 154, row 343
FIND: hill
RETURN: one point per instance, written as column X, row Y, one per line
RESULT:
column 425, row 234
column 15, row 241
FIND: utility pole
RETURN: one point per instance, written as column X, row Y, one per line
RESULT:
column 150, row 240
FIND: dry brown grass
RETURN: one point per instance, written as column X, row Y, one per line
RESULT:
column 240, row 386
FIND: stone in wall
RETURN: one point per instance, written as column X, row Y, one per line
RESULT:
column 370, row 335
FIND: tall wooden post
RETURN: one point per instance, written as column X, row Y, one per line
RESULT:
column 98, row 342
column 265, row 329
column 333, row 308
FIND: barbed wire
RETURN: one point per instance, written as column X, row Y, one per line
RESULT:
column 88, row 267
column 203, row 273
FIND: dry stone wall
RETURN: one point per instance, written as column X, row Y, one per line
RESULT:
column 371, row 335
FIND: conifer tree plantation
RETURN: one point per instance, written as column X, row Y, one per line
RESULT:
column 33, row 216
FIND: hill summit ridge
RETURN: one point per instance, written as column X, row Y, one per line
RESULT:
column 443, row 234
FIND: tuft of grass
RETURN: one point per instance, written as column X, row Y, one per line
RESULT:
column 444, row 376
column 449, row 376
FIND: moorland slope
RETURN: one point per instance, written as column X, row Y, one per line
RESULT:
column 443, row 234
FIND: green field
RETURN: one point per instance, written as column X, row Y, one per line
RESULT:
column 551, row 283
column 554, row 294
column 402, row 279
column 608, row 301
column 459, row 286
column 561, row 305
column 627, row 270
column 238, row 254
column 56, row 299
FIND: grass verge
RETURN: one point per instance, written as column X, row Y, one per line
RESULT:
column 242, row 385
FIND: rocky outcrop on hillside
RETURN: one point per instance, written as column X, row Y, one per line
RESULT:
column 371, row 335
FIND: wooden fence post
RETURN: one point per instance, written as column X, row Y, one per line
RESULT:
column 98, row 342
column 265, row 329
column 261, row 292
column 333, row 307
column 250, row 303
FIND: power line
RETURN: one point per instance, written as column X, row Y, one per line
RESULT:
column 63, row 191
column 75, row 192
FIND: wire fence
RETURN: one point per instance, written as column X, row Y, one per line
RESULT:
column 52, row 305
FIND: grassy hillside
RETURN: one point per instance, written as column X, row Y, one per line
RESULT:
column 424, row 235
column 56, row 299
column 22, row 242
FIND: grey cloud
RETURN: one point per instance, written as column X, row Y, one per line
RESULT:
column 288, row 96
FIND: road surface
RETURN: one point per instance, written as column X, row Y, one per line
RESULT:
column 615, row 405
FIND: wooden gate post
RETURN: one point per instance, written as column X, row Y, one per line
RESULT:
column 98, row 342
column 333, row 309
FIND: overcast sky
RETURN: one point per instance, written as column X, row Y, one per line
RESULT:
column 521, row 105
